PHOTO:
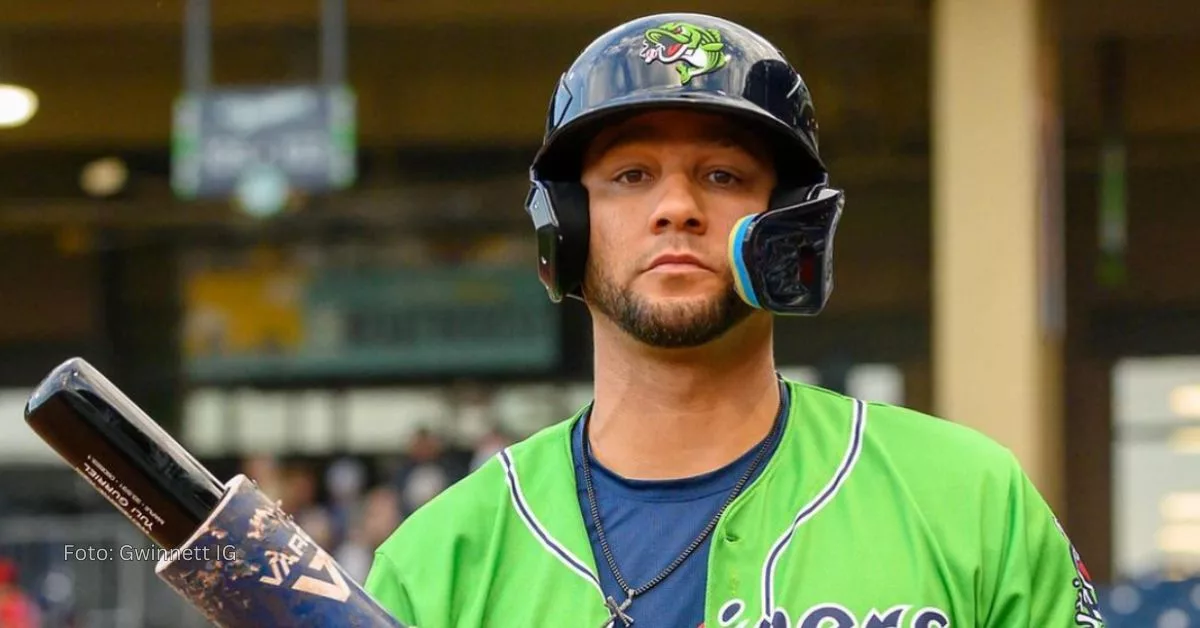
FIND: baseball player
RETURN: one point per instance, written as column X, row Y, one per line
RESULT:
column 679, row 193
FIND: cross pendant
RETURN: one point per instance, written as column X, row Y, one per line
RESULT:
column 618, row 612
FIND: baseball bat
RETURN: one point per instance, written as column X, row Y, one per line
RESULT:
column 227, row 548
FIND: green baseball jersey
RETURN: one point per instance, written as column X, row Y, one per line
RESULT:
column 867, row 516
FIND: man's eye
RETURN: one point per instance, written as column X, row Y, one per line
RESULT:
column 631, row 176
column 722, row 177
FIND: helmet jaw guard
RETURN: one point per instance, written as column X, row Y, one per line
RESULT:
column 782, row 259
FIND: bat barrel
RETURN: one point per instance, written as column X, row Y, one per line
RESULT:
column 249, row 564
column 122, row 452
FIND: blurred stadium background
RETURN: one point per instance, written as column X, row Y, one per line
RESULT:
column 292, row 232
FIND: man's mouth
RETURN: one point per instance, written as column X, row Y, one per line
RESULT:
column 677, row 262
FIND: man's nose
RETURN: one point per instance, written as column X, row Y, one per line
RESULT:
column 679, row 206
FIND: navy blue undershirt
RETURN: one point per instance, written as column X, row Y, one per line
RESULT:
column 648, row 523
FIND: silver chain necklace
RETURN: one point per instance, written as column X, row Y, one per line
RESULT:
column 617, row 611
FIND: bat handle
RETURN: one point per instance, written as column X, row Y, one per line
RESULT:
column 249, row 564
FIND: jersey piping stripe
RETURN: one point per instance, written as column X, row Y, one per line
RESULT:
column 852, row 451
column 537, row 529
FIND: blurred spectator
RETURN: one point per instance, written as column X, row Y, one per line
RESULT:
column 17, row 609
column 423, row 473
column 489, row 445
column 380, row 517
column 300, row 499
column 345, row 481
column 319, row 526
column 264, row 470
column 299, row 489
column 473, row 411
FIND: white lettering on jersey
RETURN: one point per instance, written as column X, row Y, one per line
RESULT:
column 733, row 615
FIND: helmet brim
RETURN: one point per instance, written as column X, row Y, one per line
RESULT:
column 560, row 157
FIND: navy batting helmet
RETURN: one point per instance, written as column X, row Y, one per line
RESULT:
column 782, row 258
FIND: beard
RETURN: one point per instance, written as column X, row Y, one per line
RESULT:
column 665, row 325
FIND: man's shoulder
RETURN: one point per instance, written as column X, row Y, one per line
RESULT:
column 938, row 439
column 468, row 508
column 913, row 439
column 951, row 476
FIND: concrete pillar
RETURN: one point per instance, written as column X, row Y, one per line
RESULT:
column 997, row 279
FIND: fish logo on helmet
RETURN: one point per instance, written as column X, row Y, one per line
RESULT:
column 691, row 49
column 782, row 257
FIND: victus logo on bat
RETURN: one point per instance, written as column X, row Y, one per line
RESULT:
column 331, row 583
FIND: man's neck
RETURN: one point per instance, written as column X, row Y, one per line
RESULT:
column 671, row 414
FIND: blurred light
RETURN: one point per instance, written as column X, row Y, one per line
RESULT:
column 58, row 587
column 104, row 177
column 262, row 191
column 1185, row 441
column 882, row 383
column 1185, row 400
column 17, row 105
column 1124, row 599
column 1178, row 507
column 1173, row 618
column 1180, row 539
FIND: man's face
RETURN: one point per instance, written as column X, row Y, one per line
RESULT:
column 665, row 189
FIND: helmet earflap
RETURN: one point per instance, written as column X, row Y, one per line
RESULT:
column 559, row 210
